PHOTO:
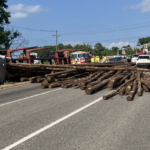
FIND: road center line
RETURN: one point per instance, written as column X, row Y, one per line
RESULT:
column 29, row 97
column 50, row 125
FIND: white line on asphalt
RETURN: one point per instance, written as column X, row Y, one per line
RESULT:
column 29, row 97
column 50, row 125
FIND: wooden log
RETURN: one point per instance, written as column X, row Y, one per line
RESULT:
column 53, row 85
column 115, row 91
column 50, row 78
column 84, row 83
column 39, row 80
column 139, row 84
column 113, row 81
column 34, row 79
column 145, row 88
column 122, row 80
column 61, row 72
column 43, row 86
column 22, row 79
column 96, row 87
column 100, row 79
column 122, row 91
column 128, row 88
column 83, row 87
column 145, row 82
column 131, row 94
column 86, row 78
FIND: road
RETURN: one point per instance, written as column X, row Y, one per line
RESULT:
column 32, row 118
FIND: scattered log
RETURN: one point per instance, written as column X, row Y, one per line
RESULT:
column 139, row 84
column 115, row 91
column 131, row 94
column 22, row 79
column 39, row 80
column 147, row 83
column 114, row 81
column 145, row 88
column 43, row 86
column 122, row 91
column 34, row 79
column 122, row 80
column 97, row 87
column 61, row 72
column 128, row 88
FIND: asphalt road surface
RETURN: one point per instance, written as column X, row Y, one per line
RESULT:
column 32, row 118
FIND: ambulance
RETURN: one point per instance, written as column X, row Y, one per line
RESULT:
column 80, row 57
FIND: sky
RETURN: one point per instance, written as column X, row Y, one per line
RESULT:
column 110, row 22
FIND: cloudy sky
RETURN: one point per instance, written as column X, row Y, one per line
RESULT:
column 110, row 22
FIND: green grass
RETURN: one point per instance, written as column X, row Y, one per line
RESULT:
column 11, row 82
column 46, row 62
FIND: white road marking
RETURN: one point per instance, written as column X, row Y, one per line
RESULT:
column 29, row 97
column 50, row 125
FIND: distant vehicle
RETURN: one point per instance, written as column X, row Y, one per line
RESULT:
column 80, row 57
column 116, row 59
column 148, row 53
column 134, row 57
column 143, row 61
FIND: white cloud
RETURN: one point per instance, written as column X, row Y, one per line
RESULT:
column 30, row 9
column 19, row 15
column 119, row 44
column 144, row 6
column 23, row 8
column 21, row 11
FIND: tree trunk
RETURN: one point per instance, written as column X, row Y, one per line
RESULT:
column 139, row 84
column 115, row 91
column 131, row 94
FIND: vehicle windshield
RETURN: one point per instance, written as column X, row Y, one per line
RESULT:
column 32, row 56
column 81, row 55
column 144, row 57
column 135, row 56
column 73, row 56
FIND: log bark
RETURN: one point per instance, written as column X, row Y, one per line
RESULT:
column 84, row 83
column 96, row 87
column 61, row 72
column 122, row 80
column 34, row 79
column 114, row 81
column 131, row 94
column 22, row 79
column 147, row 83
column 122, row 91
column 128, row 88
column 100, row 79
column 145, row 88
column 39, row 80
column 139, row 84
column 115, row 91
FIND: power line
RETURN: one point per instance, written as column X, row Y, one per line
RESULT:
column 31, row 29
column 107, row 31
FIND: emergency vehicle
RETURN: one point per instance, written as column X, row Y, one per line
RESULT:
column 34, row 55
column 80, row 57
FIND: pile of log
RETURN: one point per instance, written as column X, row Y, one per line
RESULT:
column 124, row 77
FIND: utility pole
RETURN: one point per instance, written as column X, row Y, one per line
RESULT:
column 56, row 38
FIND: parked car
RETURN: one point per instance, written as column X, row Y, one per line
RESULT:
column 143, row 61
column 134, row 57
column 116, row 59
